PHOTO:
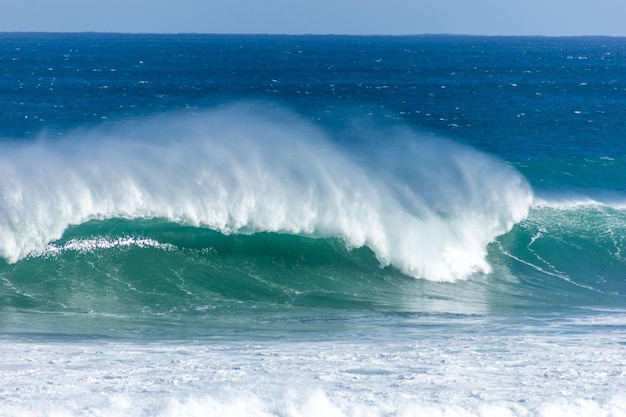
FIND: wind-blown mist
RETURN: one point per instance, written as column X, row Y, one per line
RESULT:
column 426, row 206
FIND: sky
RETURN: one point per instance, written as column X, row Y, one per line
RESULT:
column 394, row 17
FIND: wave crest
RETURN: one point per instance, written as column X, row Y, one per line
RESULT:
column 424, row 205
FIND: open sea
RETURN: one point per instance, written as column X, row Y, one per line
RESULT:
column 306, row 226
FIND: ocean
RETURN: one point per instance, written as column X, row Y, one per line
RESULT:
column 295, row 226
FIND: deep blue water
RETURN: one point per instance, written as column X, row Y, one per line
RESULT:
column 275, row 195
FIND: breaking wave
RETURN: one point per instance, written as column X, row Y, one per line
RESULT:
column 424, row 205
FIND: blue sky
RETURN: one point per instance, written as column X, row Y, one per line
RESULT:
column 488, row 17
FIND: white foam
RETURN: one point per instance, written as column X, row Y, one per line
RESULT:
column 534, row 374
column 90, row 245
column 568, row 202
column 426, row 206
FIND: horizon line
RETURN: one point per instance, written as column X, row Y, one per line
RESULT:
column 311, row 34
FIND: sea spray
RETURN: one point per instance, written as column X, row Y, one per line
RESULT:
column 424, row 205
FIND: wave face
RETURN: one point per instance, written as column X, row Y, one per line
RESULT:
column 423, row 205
column 556, row 258
column 571, row 254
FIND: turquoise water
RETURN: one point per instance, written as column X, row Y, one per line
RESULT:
column 288, row 226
